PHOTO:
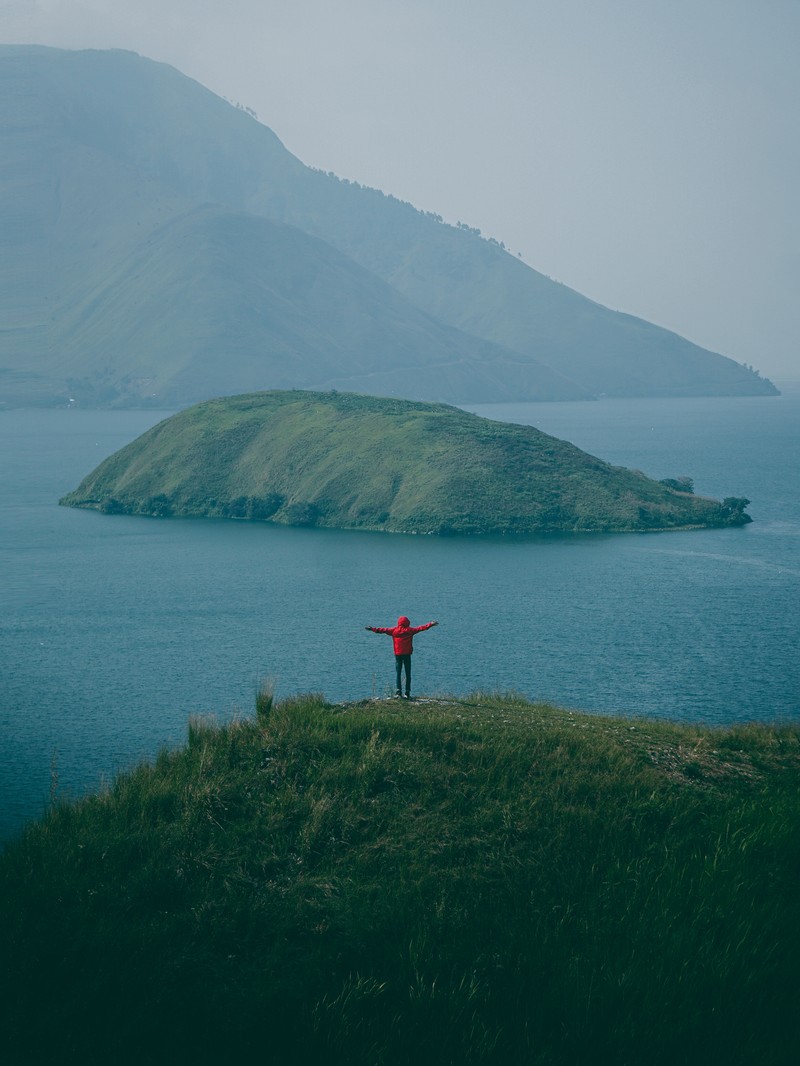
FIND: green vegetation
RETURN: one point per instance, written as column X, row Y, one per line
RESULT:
column 359, row 462
column 680, row 484
column 162, row 247
column 451, row 881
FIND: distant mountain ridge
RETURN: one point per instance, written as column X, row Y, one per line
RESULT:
column 161, row 246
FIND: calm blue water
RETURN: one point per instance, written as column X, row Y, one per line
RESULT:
column 115, row 630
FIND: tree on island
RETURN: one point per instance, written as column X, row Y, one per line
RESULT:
column 735, row 505
column 679, row 484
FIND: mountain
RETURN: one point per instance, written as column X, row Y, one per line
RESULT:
column 161, row 246
column 345, row 461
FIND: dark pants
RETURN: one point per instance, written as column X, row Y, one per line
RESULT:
column 403, row 662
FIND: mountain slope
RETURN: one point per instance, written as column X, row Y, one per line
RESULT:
column 345, row 461
column 132, row 275
column 477, row 286
column 217, row 302
column 105, row 153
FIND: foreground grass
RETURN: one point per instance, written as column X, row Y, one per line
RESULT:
column 478, row 881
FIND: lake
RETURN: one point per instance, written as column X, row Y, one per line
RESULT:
column 116, row 630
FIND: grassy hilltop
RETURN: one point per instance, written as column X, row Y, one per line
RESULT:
column 347, row 461
column 454, row 881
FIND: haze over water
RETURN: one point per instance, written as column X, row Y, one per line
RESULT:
column 117, row 629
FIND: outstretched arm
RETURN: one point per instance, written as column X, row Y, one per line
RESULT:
column 378, row 629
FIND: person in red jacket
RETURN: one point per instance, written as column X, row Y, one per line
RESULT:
column 403, row 637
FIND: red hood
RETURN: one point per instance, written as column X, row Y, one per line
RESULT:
column 403, row 622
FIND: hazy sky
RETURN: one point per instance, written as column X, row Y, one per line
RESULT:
column 644, row 152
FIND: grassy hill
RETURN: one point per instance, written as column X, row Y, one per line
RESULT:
column 444, row 882
column 147, row 224
column 359, row 462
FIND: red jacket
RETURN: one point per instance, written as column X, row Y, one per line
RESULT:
column 402, row 634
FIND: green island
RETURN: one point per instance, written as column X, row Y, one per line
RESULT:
column 447, row 881
column 348, row 461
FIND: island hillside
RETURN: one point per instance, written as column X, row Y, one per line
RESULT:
column 346, row 461
column 457, row 881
